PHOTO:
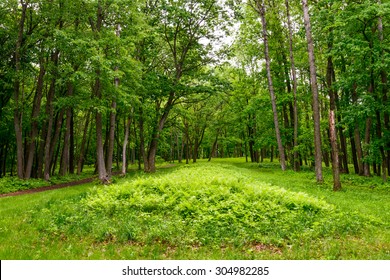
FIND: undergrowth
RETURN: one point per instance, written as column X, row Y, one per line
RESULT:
column 10, row 184
column 197, row 206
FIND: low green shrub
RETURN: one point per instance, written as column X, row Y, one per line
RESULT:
column 13, row 184
column 197, row 205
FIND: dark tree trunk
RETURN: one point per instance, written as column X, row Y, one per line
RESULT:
column 50, row 115
column 150, row 167
column 367, row 138
column 359, row 151
column 198, row 142
column 83, row 144
column 64, row 166
column 52, row 158
column 354, row 155
column 18, row 111
column 213, row 149
column 34, row 120
column 180, row 156
column 385, row 158
column 57, row 153
column 72, row 145
column 344, row 152
column 111, row 140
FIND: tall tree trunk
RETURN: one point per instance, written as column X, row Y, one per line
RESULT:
column 50, row 115
column 295, row 83
column 314, row 88
column 385, row 158
column 64, row 165
column 261, row 9
column 101, row 168
column 34, row 120
column 330, row 79
column 100, row 163
column 359, row 151
column 18, row 111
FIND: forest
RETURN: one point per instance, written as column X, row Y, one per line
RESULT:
column 132, row 92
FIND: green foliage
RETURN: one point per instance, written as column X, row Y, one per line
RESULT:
column 12, row 184
column 197, row 205
column 225, row 209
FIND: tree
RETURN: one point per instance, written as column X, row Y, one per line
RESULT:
column 314, row 88
column 260, row 8
column 182, row 24
column 295, row 85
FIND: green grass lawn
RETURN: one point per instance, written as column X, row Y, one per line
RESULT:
column 224, row 209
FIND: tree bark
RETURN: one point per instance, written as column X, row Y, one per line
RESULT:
column 330, row 79
column 71, row 144
column 111, row 140
column 18, row 111
column 354, row 154
column 64, row 166
column 214, row 146
column 385, row 158
column 359, row 151
column 261, row 9
column 124, row 147
column 142, row 139
column 34, row 120
column 198, row 142
column 335, row 157
column 83, row 144
column 150, row 166
column 314, row 88
column 50, row 113
column 367, row 138
column 294, row 77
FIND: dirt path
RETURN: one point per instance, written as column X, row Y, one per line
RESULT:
column 52, row 187
column 64, row 185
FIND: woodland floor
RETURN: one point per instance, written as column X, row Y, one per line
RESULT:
column 224, row 209
column 52, row 187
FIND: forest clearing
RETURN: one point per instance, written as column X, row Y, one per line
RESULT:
column 224, row 209
column 194, row 129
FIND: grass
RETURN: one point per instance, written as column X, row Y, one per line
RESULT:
column 225, row 209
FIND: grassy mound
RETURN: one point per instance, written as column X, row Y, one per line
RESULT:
column 194, row 206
